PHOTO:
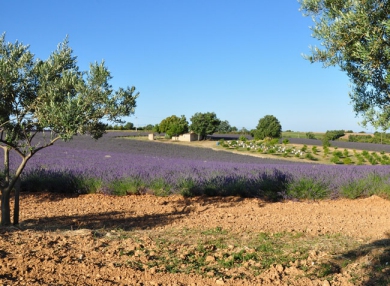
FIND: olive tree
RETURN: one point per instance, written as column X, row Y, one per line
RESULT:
column 355, row 35
column 54, row 98
column 204, row 123
column 268, row 127
column 377, row 120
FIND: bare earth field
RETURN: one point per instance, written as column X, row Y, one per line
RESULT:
column 104, row 240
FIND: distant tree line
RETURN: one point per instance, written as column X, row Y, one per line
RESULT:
column 204, row 124
column 129, row 126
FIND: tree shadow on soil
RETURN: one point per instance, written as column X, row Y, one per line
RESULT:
column 373, row 260
column 107, row 220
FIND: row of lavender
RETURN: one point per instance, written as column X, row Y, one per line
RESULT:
column 65, row 168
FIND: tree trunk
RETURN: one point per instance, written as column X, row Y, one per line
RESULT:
column 5, row 193
column 6, row 166
column 16, row 204
column 5, row 207
column 5, row 196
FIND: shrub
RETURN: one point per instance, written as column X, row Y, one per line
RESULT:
column 347, row 161
column 326, row 151
column 307, row 189
column 334, row 134
column 122, row 187
column 337, row 154
column 335, row 159
column 310, row 157
column 242, row 138
column 325, row 142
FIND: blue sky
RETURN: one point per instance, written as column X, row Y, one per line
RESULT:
column 240, row 59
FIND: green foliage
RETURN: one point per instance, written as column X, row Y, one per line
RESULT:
column 160, row 187
column 310, row 157
column 128, row 126
column 274, row 141
column 224, row 127
column 204, row 123
column 337, row 153
column 156, row 128
column 149, row 127
column 268, row 126
column 354, row 189
column 128, row 186
column 355, row 36
column 361, row 138
column 53, row 95
column 325, row 142
column 310, row 135
column 173, row 125
column 307, row 189
column 347, row 161
column 334, row 134
column 286, row 141
column 242, row 138
column 335, row 159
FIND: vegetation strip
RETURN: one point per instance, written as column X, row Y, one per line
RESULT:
column 219, row 253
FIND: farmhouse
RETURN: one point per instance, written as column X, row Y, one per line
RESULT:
column 188, row 137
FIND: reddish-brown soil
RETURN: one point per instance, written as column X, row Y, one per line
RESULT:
column 72, row 240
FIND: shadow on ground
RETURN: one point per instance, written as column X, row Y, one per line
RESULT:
column 106, row 220
column 372, row 259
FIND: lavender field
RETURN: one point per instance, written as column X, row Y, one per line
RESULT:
column 118, row 166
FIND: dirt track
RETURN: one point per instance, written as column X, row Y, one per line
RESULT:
column 69, row 240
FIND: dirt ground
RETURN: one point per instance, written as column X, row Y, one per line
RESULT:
column 78, row 240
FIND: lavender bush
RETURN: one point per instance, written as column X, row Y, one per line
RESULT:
column 120, row 166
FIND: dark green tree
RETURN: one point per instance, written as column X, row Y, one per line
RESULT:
column 149, row 127
column 224, row 127
column 156, row 128
column 128, row 126
column 173, row 125
column 55, row 97
column 355, row 35
column 268, row 127
column 204, row 124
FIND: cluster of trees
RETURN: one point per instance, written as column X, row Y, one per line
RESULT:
column 207, row 123
column 129, row 126
column 377, row 138
column 201, row 123
column 54, row 98
column 332, row 135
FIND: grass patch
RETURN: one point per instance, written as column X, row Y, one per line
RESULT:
column 218, row 252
